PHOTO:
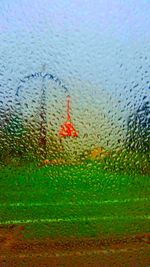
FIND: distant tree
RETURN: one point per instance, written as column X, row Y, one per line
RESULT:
column 12, row 131
column 14, row 126
column 138, row 129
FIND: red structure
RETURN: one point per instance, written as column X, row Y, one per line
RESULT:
column 68, row 129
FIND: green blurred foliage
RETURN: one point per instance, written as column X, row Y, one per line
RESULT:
column 21, row 142
column 138, row 130
column 129, row 162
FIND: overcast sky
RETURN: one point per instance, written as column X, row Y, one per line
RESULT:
column 103, row 43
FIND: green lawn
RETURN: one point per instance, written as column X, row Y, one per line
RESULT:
column 81, row 200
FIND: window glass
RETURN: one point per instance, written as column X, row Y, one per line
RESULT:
column 75, row 126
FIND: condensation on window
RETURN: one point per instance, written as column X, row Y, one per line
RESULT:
column 75, row 119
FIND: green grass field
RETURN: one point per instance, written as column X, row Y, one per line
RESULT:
column 81, row 200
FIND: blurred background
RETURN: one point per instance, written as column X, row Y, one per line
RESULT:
column 92, row 180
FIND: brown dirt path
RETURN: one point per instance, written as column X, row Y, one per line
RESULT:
column 118, row 251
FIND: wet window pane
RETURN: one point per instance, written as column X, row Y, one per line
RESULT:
column 74, row 132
